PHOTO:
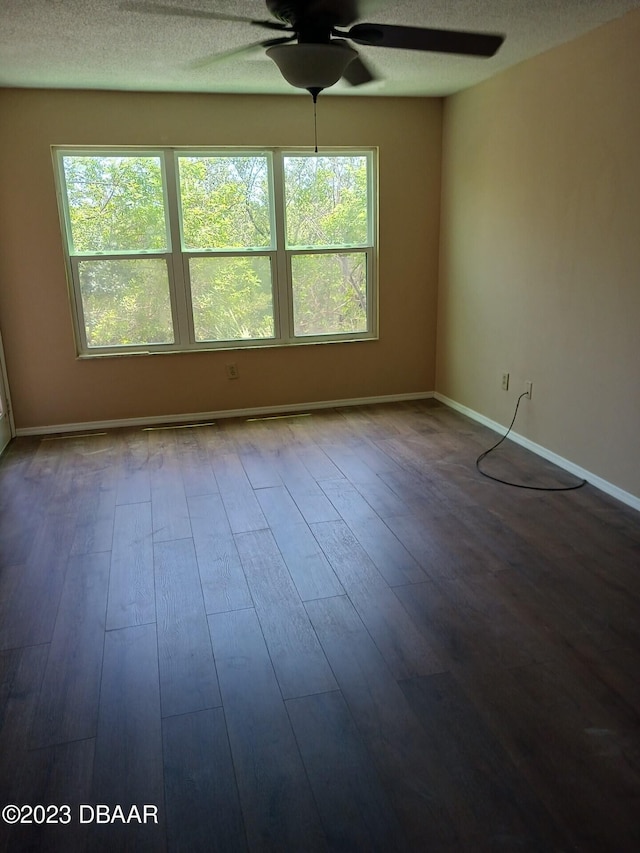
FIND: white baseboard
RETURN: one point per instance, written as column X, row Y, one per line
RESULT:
column 560, row 461
column 292, row 408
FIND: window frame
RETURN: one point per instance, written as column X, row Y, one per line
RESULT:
column 177, row 256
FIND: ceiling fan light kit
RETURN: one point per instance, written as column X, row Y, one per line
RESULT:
column 312, row 66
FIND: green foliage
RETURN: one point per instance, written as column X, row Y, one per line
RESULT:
column 125, row 301
column 225, row 202
column 116, row 206
column 329, row 293
column 231, row 298
column 326, row 201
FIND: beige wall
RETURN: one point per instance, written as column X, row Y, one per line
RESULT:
column 540, row 250
column 50, row 386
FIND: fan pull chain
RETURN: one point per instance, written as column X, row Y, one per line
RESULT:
column 315, row 123
column 314, row 92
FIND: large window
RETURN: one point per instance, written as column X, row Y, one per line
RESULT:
column 177, row 249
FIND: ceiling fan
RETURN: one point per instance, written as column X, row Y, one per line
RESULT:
column 314, row 54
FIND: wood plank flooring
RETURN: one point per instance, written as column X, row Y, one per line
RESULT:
column 325, row 632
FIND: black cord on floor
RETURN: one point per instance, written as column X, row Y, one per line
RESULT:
column 520, row 485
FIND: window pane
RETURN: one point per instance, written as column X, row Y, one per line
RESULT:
column 116, row 204
column 225, row 202
column 126, row 302
column 326, row 201
column 232, row 298
column 329, row 293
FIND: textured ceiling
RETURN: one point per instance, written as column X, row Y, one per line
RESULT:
column 99, row 44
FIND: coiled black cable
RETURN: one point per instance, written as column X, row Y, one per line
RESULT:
column 521, row 485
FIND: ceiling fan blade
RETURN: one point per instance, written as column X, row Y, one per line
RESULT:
column 236, row 51
column 419, row 38
column 357, row 72
column 181, row 12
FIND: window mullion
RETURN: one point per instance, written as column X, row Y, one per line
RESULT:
column 282, row 272
column 180, row 296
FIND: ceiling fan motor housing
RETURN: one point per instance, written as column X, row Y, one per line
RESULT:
column 320, row 15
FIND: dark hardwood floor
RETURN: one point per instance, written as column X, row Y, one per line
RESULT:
column 322, row 632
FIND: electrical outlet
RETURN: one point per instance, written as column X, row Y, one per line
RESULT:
column 528, row 388
column 505, row 381
column 232, row 371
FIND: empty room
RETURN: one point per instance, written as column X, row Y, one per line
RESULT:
column 320, row 419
